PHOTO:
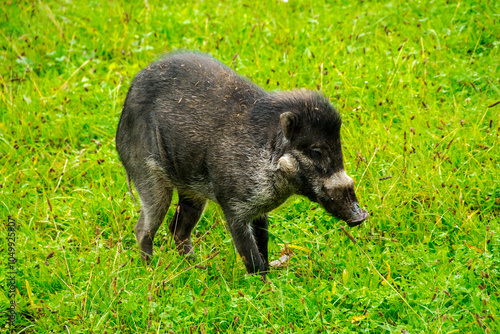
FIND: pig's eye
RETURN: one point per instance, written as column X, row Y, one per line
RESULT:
column 316, row 153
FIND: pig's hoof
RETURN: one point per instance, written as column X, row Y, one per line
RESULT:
column 188, row 252
column 185, row 247
column 146, row 257
column 190, row 257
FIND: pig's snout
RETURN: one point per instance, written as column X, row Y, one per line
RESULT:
column 342, row 201
column 358, row 216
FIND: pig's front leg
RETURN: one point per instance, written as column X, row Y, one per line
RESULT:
column 242, row 231
column 261, row 235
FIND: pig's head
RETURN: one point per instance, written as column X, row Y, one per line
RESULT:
column 311, row 155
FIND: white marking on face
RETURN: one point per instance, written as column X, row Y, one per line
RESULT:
column 339, row 180
column 288, row 164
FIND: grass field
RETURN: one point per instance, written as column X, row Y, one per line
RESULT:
column 417, row 85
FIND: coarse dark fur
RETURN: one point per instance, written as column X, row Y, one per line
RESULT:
column 191, row 123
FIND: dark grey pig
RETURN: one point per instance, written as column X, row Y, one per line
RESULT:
column 193, row 124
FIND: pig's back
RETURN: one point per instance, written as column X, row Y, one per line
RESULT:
column 202, row 111
column 195, row 83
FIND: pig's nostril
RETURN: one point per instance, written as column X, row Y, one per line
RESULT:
column 359, row 215
column 356, row 209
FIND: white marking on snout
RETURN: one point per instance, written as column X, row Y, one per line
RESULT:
column 339, row 180
column 288, row 164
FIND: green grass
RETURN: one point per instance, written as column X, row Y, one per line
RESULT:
column 413, row 81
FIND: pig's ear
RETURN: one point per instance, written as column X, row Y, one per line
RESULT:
column 288, row 124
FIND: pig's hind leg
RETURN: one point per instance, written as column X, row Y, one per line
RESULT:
column 186, row 217
column 155, row 195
